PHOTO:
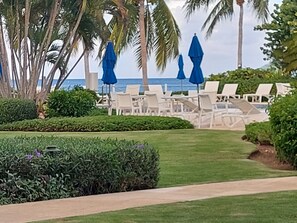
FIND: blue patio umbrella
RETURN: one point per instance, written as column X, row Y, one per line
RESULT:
column 181, row 75
column 108, row 64
column 196, row 55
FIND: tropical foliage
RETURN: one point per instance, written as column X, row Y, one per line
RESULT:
column 149, row 27
column 280, row 46
column 224, row 9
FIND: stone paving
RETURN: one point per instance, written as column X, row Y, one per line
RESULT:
column 43, row 210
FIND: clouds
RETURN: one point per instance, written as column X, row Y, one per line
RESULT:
column 220, row 50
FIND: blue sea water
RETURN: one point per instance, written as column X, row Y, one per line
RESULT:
column 170, row 84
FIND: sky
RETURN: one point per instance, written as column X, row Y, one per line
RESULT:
column 220, row 50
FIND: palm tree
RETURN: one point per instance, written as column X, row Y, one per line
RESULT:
column 223, row 9
column 150, row 27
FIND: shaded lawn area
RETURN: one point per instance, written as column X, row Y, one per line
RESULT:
column 192, row 156
column 260, row 208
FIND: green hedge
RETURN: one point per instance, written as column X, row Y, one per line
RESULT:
column 283, row 118
column 259, row 132
column 74, row 103
column 248, row 79
column 98, row 124
column 79, row 166
column 13, row 109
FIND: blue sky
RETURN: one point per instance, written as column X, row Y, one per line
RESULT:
column 220, row 50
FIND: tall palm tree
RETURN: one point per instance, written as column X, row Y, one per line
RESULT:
column 149, row 26
column 223, row 9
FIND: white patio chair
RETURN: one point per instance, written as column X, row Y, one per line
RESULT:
column 125, row 105
column 229, row 91
column 246, row 113
column 282, row 89
column 156, row 88
column 207, row 108
column 132, row 89
column 210, row 86
column 155, row 106
column 263, row 90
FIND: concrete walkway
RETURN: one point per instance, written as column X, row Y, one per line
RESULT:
column 43, row 210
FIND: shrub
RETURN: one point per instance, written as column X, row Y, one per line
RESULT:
column 75, row 103
column 249, row 79
column 283, row 118
column 99, row 124
column 30, row 171
column 259, row 132
column 17, row 109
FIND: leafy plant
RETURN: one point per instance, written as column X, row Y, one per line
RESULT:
column 259, row 132
column 17, row 109
column 283, row 120
column 76, row 102
column 77, row 167
column 99, row 124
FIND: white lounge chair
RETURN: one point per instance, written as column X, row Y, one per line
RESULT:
column 207, row 108
column 132, row 89
column 246, row 113
column 229, row 91
column 210, row 86
column 263, row 90
column 283, row 89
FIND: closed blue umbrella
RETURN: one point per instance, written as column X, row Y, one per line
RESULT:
column 196, row 55
column 181, row 75
column 108, row 64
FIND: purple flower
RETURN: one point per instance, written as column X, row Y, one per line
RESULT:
column 37, row 153
column 29, row 156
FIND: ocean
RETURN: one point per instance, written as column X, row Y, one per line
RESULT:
column 168, row 84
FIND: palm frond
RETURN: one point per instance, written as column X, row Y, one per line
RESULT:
column 192, row 5
column 261, row 9
column 222, row 10
column 167, row 34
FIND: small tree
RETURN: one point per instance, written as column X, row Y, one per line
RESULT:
column 279, row 34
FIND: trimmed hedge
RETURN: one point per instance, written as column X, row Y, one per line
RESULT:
column 78, row 167
column 14, row 109
column 259, row 132
column 74, row 103
column 283, row 118
column 98, row 124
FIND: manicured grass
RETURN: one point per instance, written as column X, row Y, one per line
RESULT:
column 192, row 156
column 260, row 208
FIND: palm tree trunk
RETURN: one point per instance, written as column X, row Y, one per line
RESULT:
column 143, row 45
column 87, row 66
column 240, row 37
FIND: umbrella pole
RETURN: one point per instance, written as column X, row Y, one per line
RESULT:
column 181, row 87
column 198, row 96
column 109, row 104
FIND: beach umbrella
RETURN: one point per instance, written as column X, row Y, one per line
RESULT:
column 108, row 64
column 181, row 75
column 196, row 55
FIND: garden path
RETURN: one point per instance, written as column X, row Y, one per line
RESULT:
column 61, row 208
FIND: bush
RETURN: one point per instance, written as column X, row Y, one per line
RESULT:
column 283, row 118
column 75, row 103
column 99, row 124
column 30, row 171
column 259, row 132
column 17, row 109
column 249, row 79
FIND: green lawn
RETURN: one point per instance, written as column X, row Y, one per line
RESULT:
column 262, row 208
column 193, row 156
